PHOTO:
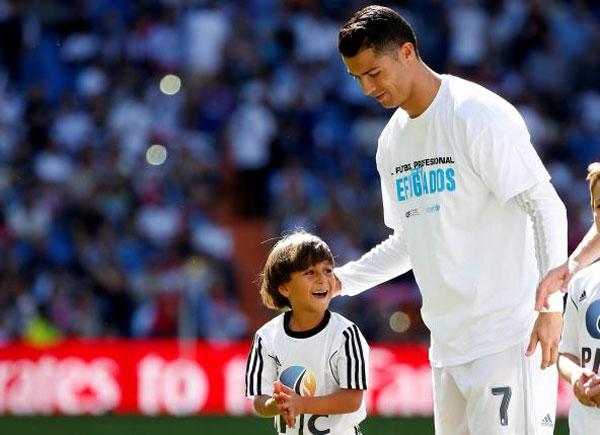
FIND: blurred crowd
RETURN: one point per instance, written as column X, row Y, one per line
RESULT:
column 100, row 238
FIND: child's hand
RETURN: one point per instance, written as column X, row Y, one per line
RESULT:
column 592, row 389
column 280, row 394
column 581, row 389
column 290, row 401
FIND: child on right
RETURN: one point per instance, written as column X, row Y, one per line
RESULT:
column 579, row 357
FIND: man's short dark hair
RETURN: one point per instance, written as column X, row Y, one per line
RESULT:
column 376, row 27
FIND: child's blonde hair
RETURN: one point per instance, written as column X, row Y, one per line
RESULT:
column 592, row 178
column 294, row 253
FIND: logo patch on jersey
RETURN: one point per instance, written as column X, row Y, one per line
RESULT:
column 274, row 357
column 582, row 296
column 547, row 421
column 421, row 181
column 412, row 212
column 592, row 319
column 300, row 379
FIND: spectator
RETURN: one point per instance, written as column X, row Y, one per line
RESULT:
column 266, row 118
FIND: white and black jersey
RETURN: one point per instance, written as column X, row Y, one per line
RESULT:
column 581, row 337
column 332, row 356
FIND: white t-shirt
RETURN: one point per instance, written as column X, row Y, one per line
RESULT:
column 447, row 177
column 581, row 337
column 335, row 352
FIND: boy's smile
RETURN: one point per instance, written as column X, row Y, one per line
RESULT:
column 309, row 290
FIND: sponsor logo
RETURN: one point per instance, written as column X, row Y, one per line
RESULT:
column 582, row 296
column 412, row 212
column 547, row 421
column 592, row 319
column 433, row 208
column 419, row 182
column 274, row 357
column 300, row 379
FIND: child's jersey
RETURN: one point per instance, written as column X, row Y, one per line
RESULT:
column 581, row 337
column 332, row 356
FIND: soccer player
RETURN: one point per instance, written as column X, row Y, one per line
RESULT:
column 474, row 215
column 321, row 356
column 579, row 357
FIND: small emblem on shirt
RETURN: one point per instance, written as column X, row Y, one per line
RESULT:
column 412, row 212
column 277, row 362
column 547, row 421
column 433, row 208
column 582, row 296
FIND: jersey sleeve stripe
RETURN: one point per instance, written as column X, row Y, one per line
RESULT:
column 538, row 233
column 355, row 354
column 260, row 368
column 358, row 355
column 356, row 367
column 363, row 370
column 348, row 360
column 250, row 356
column 253, row 376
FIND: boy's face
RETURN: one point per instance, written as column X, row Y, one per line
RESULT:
column 595, row 191
column 310, row 289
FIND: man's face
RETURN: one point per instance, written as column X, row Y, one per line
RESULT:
column 384, row 76
column 595, row 192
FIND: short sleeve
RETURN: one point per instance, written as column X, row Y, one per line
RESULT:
column 569, row 341
column 352, row 362
column 261, row 370
column 504, row 157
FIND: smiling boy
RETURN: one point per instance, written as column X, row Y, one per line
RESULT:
column 308, row 367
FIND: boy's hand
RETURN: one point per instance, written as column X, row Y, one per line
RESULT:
column 592, row 389
column 290, row 402
column 281, row 396
column 581, row 389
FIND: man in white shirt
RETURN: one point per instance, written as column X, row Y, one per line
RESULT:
column 475, row 217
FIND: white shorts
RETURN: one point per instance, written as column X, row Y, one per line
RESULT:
column 583, row 420
column 503, row 393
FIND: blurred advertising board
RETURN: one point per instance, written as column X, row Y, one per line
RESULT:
column 181, row 378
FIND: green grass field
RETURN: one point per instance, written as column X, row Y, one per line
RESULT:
column 213, row 425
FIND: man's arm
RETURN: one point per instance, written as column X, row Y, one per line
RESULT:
column 385, row 261
column 586, row 253
column 549, row 218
